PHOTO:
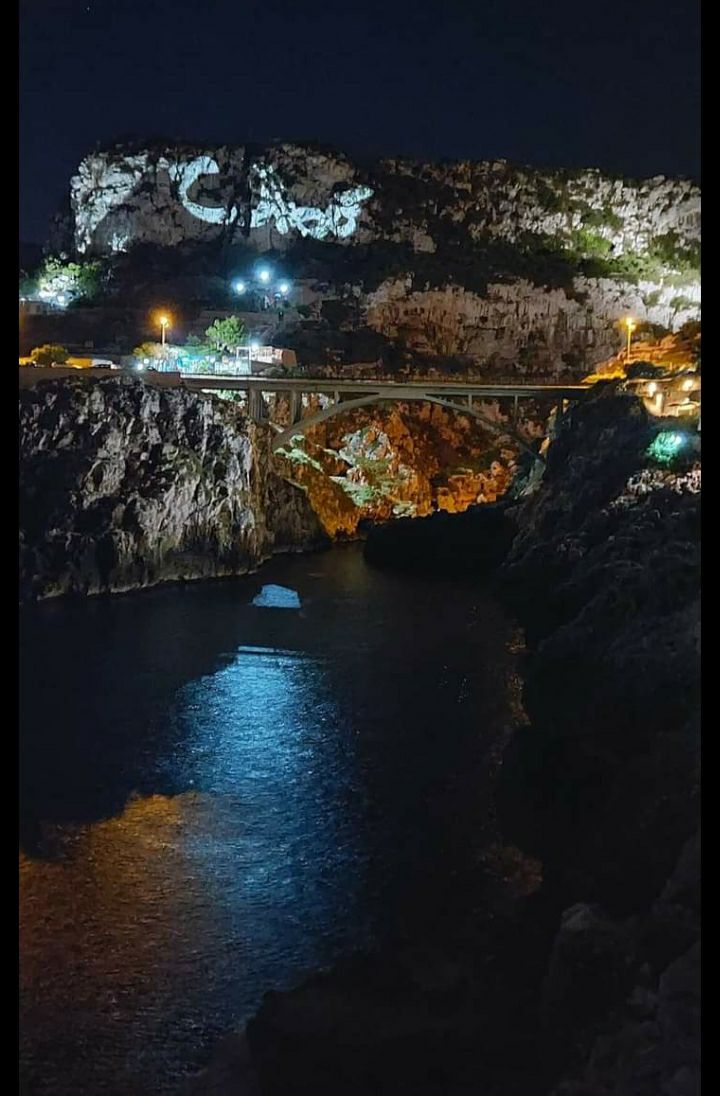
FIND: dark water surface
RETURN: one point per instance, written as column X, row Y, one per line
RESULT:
column 225, row 785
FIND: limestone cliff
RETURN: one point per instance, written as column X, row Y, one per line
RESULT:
column 125, row 485
column 275, row 194
column 500, row 265
column 406, row 460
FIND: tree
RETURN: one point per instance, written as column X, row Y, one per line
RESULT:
column 49, row 353
column 148, row 350
column 226, row 334
column 63, row 282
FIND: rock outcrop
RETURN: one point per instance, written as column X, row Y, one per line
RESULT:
column 500, row 266
column 604, row 574
column 125, row 485
column 603, row 783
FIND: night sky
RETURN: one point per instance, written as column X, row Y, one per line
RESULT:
column 609, row 83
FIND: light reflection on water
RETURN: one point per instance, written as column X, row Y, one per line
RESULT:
column 277, row 597
column 216, row 799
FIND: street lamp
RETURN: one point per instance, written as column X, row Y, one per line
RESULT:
column 284, row 288
column 164, row 322
column 264, row 275
column 240, row 287
column 630, row 325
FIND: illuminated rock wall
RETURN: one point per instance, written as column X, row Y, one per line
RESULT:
column 525, row 326
column 405, row 460
column 170, row 197
column 500, row 264
column 177, row 193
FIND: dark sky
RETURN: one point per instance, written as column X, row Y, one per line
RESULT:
column 611, row 83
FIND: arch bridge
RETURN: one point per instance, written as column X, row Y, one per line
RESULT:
column 346, row 395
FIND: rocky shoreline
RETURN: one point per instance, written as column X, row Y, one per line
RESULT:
column 603, row 783
column 589, row 986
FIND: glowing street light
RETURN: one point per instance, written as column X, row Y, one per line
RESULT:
column 630, row 325
column 264, row 275
column 164, row 322
column 284, row 288
column 240, row 287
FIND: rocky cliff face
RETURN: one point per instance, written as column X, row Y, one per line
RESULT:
column 406, row 460
column 522, row 327
column 276, row 194
column 604, row 574
column 603, row 784
column 482, row 260
column 124, row 485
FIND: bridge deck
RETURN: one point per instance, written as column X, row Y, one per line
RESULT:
column 396, row 390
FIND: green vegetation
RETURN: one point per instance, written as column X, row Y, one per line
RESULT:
column 669, row 250
column 604, row 218
column 549, row 199
column 226, row 334
column 49, row 354
column 67, row 282
column 590, row 244
column 151, row 350
column 679, row 303
column 649, row 266
column 297, row 455
column 362, row 494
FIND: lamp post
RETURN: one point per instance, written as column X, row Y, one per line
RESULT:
column 164, row 324
column 630, row 325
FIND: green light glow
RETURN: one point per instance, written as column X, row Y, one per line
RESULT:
column 665, row 446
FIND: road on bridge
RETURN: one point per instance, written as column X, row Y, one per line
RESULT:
column 396, row 390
